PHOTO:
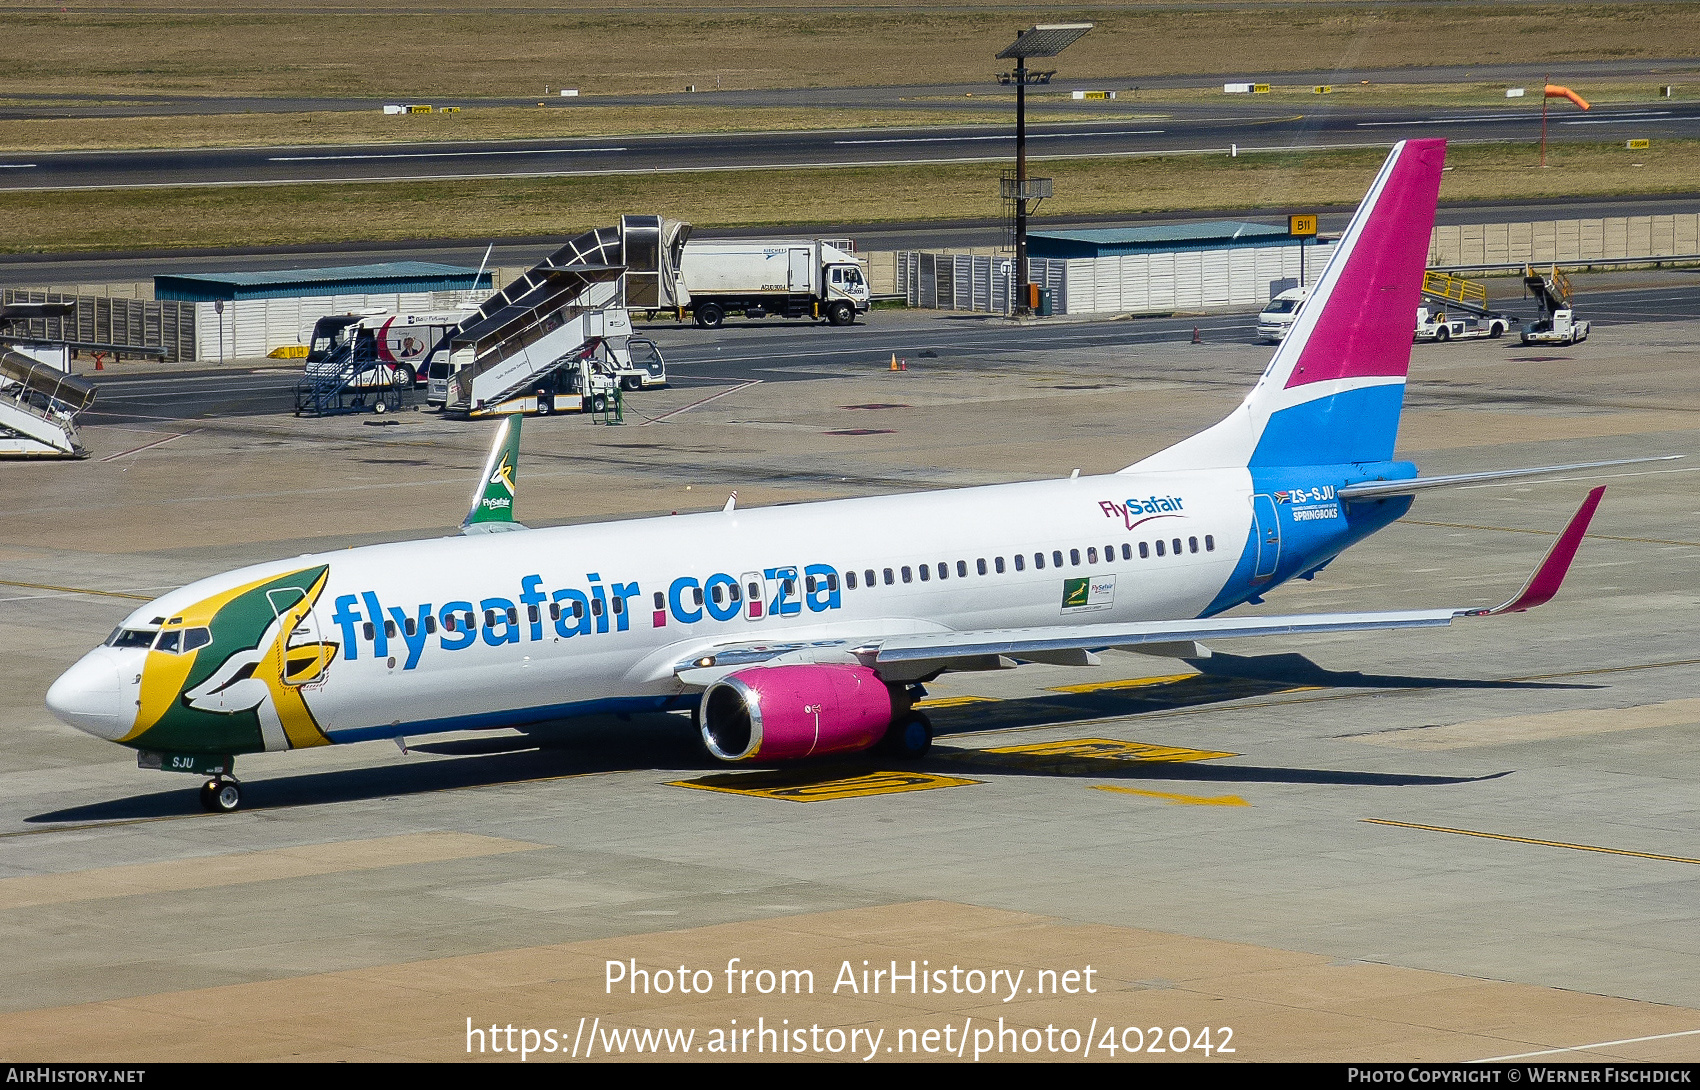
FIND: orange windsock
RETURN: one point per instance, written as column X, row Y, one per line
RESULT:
column 1555, row 91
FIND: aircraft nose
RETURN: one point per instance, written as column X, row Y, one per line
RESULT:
column 90, row 697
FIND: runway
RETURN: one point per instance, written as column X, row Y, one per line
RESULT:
column 1165, row 130
column 1468, row 844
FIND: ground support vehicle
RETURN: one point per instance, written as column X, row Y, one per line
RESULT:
column 1438, row 325
column 1558, row 323
column 349, row 374
column 38, row 404
column 1276, row 318
column 1456, row 309
column 783, row 278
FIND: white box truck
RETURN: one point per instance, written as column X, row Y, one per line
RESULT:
column 789, row 279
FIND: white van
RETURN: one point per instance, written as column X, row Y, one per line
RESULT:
column 1276, row 318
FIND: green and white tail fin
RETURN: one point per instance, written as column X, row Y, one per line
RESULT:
column 492, row 508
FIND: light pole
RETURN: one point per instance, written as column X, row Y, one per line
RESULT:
column 1043, row 40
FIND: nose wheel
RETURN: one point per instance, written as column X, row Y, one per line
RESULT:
column 221, row 796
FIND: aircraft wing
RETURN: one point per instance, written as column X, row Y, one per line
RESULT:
column 911, row 656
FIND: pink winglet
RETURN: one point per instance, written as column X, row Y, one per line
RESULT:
column 1542, row 585
column 1364, row 329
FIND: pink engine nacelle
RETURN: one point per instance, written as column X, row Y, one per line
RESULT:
column 783, row 713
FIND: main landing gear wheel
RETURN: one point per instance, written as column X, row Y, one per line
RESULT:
column 221, row 796
column 910, row 737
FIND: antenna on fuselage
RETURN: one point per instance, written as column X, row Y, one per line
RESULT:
column 731, row 502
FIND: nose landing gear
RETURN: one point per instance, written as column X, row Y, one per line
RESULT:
column 221, row 796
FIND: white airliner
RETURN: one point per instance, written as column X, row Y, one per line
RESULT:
column 806, row 630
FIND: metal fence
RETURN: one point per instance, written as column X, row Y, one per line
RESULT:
column 161, row 330
column 973, row 282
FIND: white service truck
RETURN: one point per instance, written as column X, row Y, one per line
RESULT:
column 1437, row 325
column 812, row 278
column 1563, row 327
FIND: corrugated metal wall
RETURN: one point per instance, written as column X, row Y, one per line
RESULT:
column 1123, row 284
column 1185, row 279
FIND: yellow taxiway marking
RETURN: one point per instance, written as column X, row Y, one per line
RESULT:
column 75, row 590
column 1130, row 683
column 1532, row 840
column 207, row 872
column 1184, row 800
column 793, row 788
column 953, row 701
column 1114, row 748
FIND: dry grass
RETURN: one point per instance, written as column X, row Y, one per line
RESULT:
column 424, row 50
column 135, row 219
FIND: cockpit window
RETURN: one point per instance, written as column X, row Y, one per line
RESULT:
column 178, row 641
column 130, row 637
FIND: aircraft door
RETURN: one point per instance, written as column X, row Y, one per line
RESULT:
column 305, row 656
column 755, row 595
column 1268, row 522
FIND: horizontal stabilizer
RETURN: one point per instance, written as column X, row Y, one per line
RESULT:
column 1374, row 490
column 1542, row 585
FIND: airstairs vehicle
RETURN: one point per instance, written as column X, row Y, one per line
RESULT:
column 1558, row 323
column 38, row 407
column 559, row 338
column 1456, row 309
column 39, row 397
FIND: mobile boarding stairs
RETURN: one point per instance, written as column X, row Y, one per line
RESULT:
column 349, row 379
column 562, row 308
column 38, row 406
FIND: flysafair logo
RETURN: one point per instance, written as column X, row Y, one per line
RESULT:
column 231, row 681
column 1093, row 593
column 370, row 627
column 503, row 477
column 1150, row 508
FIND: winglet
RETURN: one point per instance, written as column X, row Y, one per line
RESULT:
column 1544, row 584
column 492, row 507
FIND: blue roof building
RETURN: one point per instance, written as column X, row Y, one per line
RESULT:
column 384, row 277
column 1164, row 238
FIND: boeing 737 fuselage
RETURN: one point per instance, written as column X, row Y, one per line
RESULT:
column 805, row 630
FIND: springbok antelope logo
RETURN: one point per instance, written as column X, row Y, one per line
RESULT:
column 243, row 686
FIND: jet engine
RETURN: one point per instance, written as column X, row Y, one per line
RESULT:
column 778, row 713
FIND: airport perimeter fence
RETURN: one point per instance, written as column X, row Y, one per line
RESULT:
column 974, row 282
column 1142, row 283
column 124, row 327
column 1565, row 242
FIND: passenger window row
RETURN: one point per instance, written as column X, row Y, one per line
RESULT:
column 1055, row 558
